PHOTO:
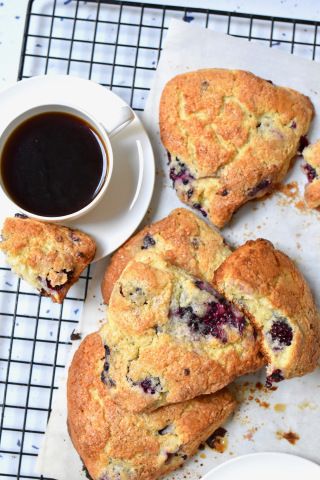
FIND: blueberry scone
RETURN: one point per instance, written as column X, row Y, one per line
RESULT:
column 171, row 337
column 182, row 238
column 311, row 155
column 118, row 445
column 266, row 285
column 230, row 137
column 47, row 256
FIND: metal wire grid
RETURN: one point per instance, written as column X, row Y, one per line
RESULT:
column 118, row 45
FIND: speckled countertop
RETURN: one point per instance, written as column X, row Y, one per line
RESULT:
column 12, row 18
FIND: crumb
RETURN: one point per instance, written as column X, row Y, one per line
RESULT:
column 300, row 205
column 304, row 405
column 218, row 440
column 290, row 190
column 250, row 433
column 280, row 407
column 75, row 335
column 291, row 437
column 262, row 404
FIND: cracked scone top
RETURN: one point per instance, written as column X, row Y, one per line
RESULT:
column 268, row 287
column 117, row 445
column 170, row 337
column 47, row 256
column 311, row 155
column 182, row 238
column 230, row 136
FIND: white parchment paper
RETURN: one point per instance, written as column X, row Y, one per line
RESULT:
column 263, row 418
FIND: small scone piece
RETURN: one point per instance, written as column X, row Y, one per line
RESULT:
column 170, row 337
column 117, row 445
column 267, row 286
column 311, row 155
column 181, row 238
column 47, row 256
column 230, row 137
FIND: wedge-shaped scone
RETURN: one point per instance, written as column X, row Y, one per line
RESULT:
column 267, row 286
column 230, row 137
column 47, row 256
column 117, row 445
column 311, row 154
column 170, row 337
column 181, row 238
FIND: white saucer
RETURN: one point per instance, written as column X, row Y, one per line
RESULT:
column 265, row 466
column 128, row 196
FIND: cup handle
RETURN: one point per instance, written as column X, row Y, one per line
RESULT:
column 122, row 119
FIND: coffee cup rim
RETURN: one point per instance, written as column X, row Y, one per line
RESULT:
column 77, row 112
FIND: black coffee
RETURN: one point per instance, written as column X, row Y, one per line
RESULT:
column 53, row 164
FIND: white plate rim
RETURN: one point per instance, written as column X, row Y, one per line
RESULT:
column 241, row 458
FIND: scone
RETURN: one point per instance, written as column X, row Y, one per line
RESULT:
column 311, row 155
column 47, row 256
column 170, row 337
column 181, row 238
column 267, row 286
column 230, row 137
column 117, row 445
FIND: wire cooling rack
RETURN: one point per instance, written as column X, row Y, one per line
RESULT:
column 116, row 44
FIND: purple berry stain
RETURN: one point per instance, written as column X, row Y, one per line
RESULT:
column 198, row 206
column 303, row 143
column 281, row 334
column 218, row 315
column 150, row 385
column 275, row 377
column 105, row 378
column 148, row 241
column 180, row 173
column 310, row 171
column 261, row 186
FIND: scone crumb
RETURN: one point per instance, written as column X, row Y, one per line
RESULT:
column 291, row 437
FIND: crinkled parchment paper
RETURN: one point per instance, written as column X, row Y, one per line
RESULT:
column 287, row 419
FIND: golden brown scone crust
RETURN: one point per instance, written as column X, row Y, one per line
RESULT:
column 182, row 238
column 311, row 155
column 117, row 445
column 231, row 136
column 171, row 338
column 267, row 285
column 48, row 256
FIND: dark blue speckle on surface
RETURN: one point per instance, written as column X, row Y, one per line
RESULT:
column 76, row 311
column 9, row 284
column 67, row 1
column 35, row 447
column 1, row 4
column 38, row 45
column 17, row 17
column 19, row 443
column 187, row 18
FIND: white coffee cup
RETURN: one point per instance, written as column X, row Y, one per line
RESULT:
column 122, row 117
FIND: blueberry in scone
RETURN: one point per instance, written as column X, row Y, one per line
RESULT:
column 266, row 285
column 311, row 155
column 182, row 238
column 118, row 445
column 47, row 256
column 230, row 137
column 171, row 336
